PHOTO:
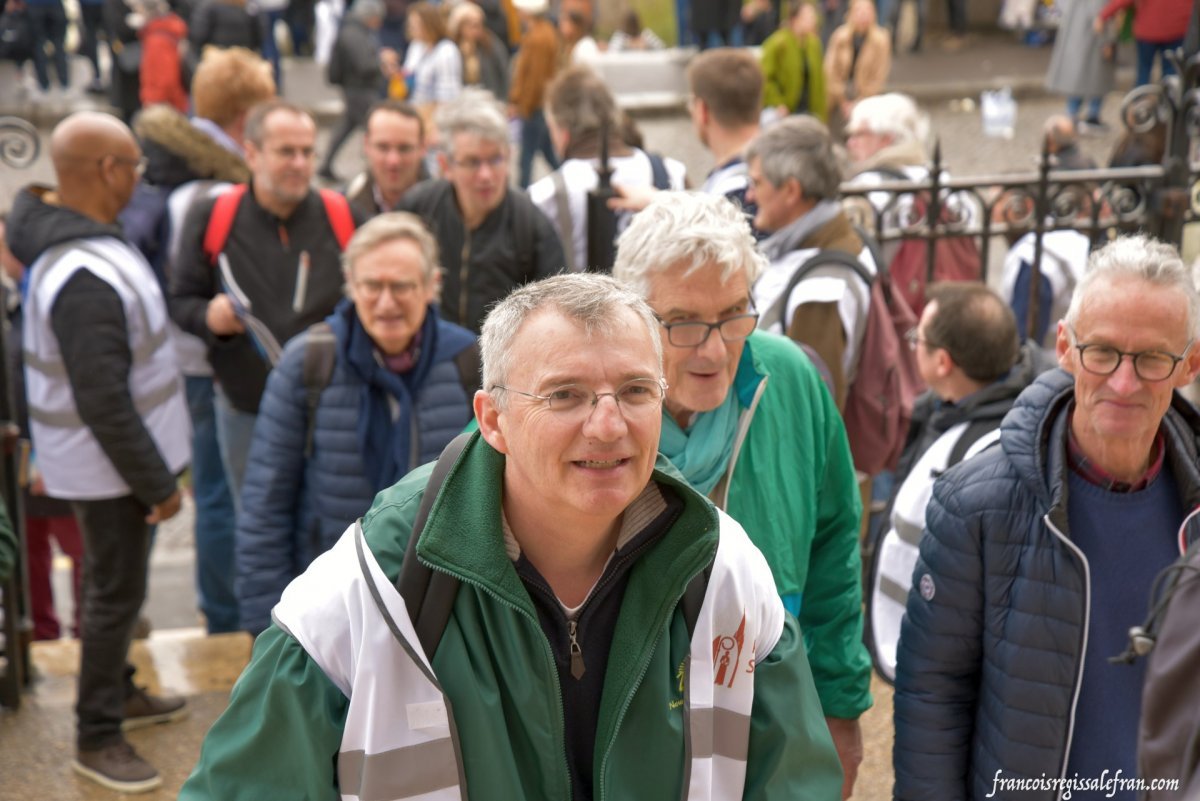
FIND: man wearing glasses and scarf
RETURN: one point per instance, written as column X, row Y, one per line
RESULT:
column 748, row 423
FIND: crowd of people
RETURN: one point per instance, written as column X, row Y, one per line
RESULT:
column 597, row 527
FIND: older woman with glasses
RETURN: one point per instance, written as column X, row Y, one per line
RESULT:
column 747, row 422
column 355, row 402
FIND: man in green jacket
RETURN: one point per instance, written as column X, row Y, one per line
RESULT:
column 571, row 665
column 749, row 424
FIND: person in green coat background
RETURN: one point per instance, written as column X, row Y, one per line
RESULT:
column 793, row 66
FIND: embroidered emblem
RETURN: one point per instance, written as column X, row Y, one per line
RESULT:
column 727, row 654
column 927, row 588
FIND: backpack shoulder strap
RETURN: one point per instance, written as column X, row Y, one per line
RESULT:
column 221, row 221
column 429, row 594
column 658, row 168
column 975, row 431
column 693, row 598
column 562, row 202
column 525, row 233
column 778, row 309
column 320, row 353
column 337, row 209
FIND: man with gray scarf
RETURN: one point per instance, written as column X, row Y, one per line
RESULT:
column 794, row 178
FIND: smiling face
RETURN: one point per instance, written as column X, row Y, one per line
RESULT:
column 391, row 321
column 394, row 152
column 570, row 467
column 699, row 377
column 1120, row 410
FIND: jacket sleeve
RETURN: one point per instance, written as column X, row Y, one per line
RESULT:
column 200, row 28
column 938, row 659
column 871, row 81
column 88, row 319
column 773, row 91
column 193, row 280
column 1113, row 7
column 791, row 754
column 280, row 734
column 819, row 326
column 835, row 70
column 265, row 550
column 831, row 613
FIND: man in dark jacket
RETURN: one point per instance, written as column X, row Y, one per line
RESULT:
column 394, row 146
column 283, row 255
column 108, row 416
column 1038, row 556
column 969, row 355
column 492, row 238
column 399, row 386
column 354, row 66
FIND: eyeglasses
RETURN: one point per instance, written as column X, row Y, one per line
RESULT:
column 1149, row 365
column 369, row 289
column 637, row 397
column 474, row 165
column 913, row 336
column 693, row 335
column 139, row 164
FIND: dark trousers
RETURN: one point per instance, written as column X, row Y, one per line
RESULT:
column 48, row 24
column 957, row 11
column 91, row 32
column 357, row 103
column 1146, row 53
column 116, row 551
column 535, row 138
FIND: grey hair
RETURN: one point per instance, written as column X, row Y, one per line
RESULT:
column 589, row 299
column 474, row 111
column 798, row 147
column 367, row 9
column 691, row 228
column 387, row 228
column 1138, row 257
column 892, row 114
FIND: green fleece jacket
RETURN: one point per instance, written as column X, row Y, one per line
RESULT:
column 783, row 60
column 794, row 490
column 281, row 732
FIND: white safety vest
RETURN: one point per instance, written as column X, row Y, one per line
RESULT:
column 899, row 548
column 330, row 611
column 73, row 464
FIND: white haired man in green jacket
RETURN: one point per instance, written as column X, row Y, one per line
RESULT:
column 609, row 633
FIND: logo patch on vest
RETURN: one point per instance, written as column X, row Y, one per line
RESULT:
column 727, row 654
column 926, row 587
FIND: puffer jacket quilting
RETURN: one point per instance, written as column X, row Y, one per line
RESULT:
column 995, row 624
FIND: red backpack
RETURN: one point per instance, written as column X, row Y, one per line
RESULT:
column 955, row 258
column 226, row 206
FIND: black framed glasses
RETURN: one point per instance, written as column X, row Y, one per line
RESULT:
column 693, row 335
column 1149, row 365
column 635, row 397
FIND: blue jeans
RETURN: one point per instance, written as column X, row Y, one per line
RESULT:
column 235, row 430
column 1075, row 103
column 683, row 21
column 1146, row 51
column 535, row 138
column 215, row 520
column 270, row 50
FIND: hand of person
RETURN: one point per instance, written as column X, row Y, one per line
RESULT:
column 221, row 318
column 1098, row 24
column 166, row 509
column 37, row 484
column 847, row 739
column 631, row 198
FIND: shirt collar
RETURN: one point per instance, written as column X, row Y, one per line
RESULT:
column 1096, row 475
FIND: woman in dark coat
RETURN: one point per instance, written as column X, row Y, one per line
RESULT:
column 484, row 57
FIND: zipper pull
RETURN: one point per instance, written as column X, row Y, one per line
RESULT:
column 576, row 652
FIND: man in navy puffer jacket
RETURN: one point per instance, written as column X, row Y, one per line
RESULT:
column 1038, row 556
column 401, row 388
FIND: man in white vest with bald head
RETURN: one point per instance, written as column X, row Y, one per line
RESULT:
column 604, row 631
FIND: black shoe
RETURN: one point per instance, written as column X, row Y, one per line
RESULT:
column 117, row 767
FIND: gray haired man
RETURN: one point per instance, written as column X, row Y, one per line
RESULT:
column 610, row 633
column 491, row 237
column 1039, row 555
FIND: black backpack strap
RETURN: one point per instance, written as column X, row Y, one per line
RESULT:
column 778, row 310
column 658, row 168
column 693, row 598
column 320, row 353
column 429, row 594
column 973, row 433
column 524, row 228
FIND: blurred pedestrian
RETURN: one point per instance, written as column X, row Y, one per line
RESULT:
column 631, row 35
column 579, row 46
column 484, row 55
column 48, row 26
column 223, row 23
column 397, row 386
column 1158, row 28
column 356, row 68
column 92, row 31
column 534, row 67
column 857, row 62
column 163, row 36
column 715, row 20
column 432, row 64
column 394, row 144
column 793, row 66
column 1079, row 67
